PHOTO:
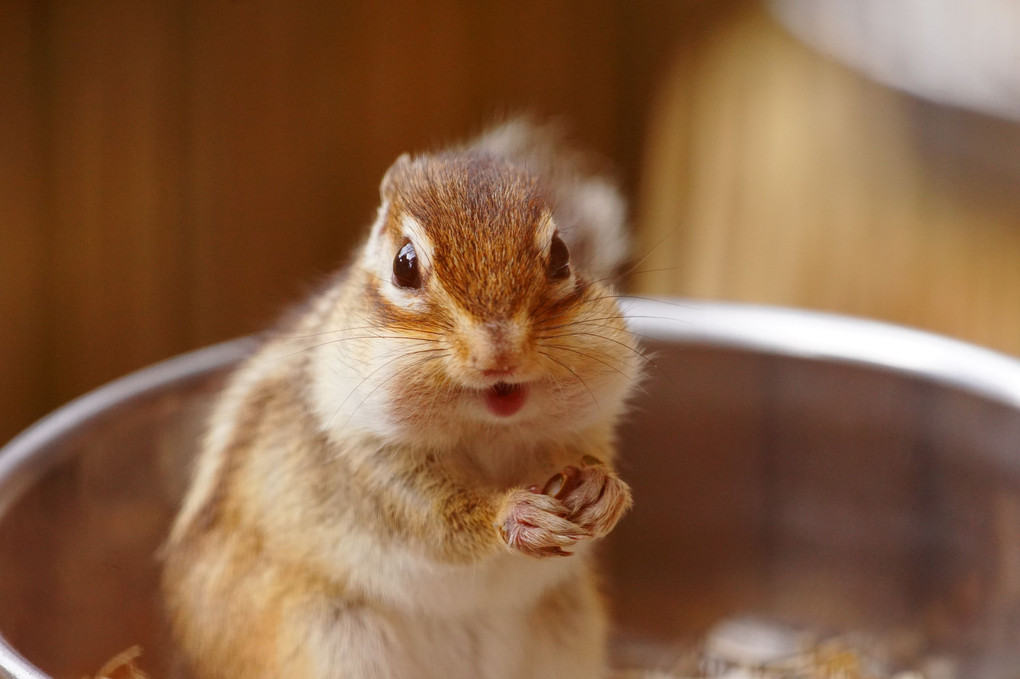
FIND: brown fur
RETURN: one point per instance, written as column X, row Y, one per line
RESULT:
column 357, row 511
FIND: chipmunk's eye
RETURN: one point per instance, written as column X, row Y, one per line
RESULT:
column 405, row 268
column 559, row 259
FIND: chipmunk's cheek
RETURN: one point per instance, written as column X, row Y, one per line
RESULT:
column 505, row 400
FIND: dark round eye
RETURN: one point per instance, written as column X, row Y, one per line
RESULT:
column 559, row 259
column 405, row 267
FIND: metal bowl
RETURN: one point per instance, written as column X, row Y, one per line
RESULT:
column 824, row 471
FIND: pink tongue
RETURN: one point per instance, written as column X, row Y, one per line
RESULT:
column 505, row 399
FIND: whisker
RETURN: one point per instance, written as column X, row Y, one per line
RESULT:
column 578, row 377
column 372, row 327
column 373, row 336
column 684, row 322
column 614, row 278
column 368, row 377
column 560, row 347
column 389, row 326
column 589, row 323
column 608, row 339
column 672, row 232
column 583, row 321
column 626, row 297
column 347, row 339
column 377, row 387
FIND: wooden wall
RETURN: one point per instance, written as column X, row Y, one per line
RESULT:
column 174, row 173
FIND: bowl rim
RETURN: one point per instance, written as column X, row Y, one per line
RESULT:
column 21, row 466
column 841, row 338
column 770, row 330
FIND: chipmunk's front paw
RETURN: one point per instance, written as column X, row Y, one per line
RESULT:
column 537, row 525
column 595, row 497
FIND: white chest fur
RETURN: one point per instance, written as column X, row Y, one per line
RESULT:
column 405, row 580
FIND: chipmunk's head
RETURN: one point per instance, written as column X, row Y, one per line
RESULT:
column 476, row 311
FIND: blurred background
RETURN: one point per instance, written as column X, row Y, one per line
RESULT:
column 176, row 173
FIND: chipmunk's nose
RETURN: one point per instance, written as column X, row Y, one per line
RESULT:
column 495, row 349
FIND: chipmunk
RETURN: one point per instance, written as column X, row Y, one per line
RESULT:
column 406, row 478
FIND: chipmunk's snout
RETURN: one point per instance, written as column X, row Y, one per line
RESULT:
column 494, row 349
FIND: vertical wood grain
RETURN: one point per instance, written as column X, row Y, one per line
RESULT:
column 262, row 104
column 183, row 171
column 117, row 244
column 24, row 378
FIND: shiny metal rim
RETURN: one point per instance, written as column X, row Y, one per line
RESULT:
column 814, row 335
column 20, row 467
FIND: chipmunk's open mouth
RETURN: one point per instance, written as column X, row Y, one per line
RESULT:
column 505, row 399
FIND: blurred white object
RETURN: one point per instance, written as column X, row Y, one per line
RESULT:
column 960, row 52
column 747, row 642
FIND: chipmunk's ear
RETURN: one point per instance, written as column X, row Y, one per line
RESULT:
column 592, row 221
column 399, row 168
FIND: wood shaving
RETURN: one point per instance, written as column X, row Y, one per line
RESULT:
column 122, row 666
column 756, row 649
